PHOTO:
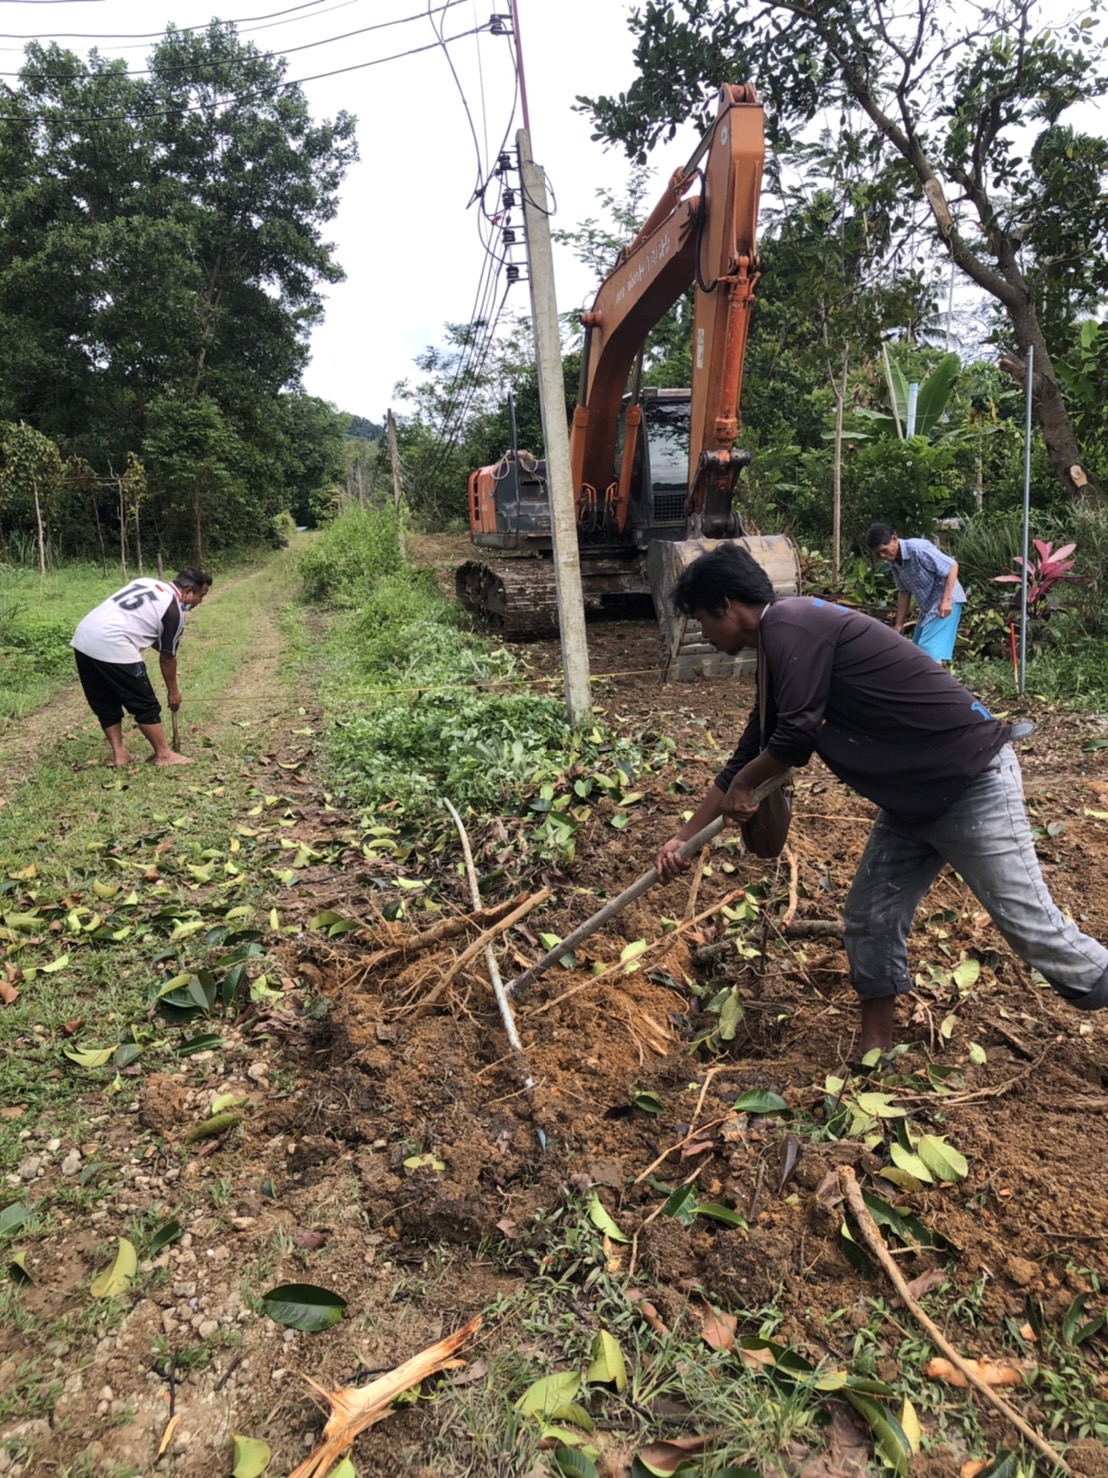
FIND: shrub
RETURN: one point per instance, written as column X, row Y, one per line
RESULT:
column 356, row 548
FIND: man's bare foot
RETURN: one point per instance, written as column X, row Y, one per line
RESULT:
column 125, row 757
column 172, row 758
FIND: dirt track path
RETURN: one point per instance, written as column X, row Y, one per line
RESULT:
column 24, row 742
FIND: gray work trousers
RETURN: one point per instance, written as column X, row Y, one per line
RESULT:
column 986, row 838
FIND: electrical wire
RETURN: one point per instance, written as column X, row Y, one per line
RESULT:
column 145, row 35
column 465, row 381
column 259, row 56
column 242, row 28
column 228, row 101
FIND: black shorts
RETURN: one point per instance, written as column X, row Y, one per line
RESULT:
column 111, row 687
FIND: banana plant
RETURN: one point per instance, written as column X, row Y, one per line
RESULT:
column 931, row 402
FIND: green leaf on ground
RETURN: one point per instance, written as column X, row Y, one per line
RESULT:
column 608, row 1367
column 909, row 1162
column 303, row 1306
column 566, row 1462
column 119, row 1277
column 602, row 1221
column 760, row 1101
column 944, row 1162
column 251, row 1458
column 889, row 1435
column 13, row 1217
column 546, row 1397
column 162, row 1237
column 722, row 1214
column 205, row 1042
column 90, row 1056
column 17, row 1268
column 967, row 974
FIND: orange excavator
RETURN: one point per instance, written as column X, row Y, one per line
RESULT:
column 654, row 471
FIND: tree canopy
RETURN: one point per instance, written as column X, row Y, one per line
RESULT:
column 939, row 98
column 162, row 256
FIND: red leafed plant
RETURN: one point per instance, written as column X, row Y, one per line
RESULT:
column 1048, row 567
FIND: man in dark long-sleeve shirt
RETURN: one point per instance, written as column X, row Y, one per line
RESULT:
column 897, row 728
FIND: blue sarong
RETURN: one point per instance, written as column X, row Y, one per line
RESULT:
column 936, row 637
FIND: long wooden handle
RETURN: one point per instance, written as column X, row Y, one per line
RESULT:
column 636, row 890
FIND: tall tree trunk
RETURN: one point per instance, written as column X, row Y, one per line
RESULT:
column 122, row 530
column 99, row 530
column 1049, row 407
column 839, row 390
column 38, row 526
column 138, row 540
column 196, row 527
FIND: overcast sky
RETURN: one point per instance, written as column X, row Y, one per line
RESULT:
column 404, row 235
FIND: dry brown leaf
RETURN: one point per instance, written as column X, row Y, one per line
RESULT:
column 697, row 1147
column 973, row 1467
column 718, row 1330
column 925, row 1282
column 988, row 1372
column 8, row 994
column 167, row 1435
column 477, row 1371
column 828, row 1194
column 757, row 1359
column 648, row 1311
column 667, row 1457
column 353, row 1408
column 310, row 1240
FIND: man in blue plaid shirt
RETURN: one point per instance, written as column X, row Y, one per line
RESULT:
column 921, row 570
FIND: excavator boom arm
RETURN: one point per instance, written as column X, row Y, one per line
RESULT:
column 708, row 239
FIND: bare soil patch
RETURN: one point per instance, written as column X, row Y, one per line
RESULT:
column 313, row 1187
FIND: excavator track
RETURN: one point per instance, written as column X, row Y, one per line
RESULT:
column 518, row 596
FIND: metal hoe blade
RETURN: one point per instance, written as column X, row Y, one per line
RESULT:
column 648, row 879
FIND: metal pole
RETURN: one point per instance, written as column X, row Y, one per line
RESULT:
column 1022, row 678
column 552, row 402
column 913, row 397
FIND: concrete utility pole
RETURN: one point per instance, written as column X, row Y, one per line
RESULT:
column 397, row 488
column 559, row 480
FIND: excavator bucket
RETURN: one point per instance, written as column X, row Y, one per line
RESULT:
column 684, row 652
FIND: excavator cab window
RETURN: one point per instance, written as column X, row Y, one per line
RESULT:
column 661, row 473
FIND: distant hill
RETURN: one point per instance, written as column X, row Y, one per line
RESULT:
column 364, row 430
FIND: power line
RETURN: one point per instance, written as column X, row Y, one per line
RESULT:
column 138, row 35
column 259, row 56
column 243, row 97
column 242, row 28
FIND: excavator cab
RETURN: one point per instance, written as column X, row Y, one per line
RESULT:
column 660, row 475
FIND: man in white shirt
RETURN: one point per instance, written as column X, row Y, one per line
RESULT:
column 109, row 643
